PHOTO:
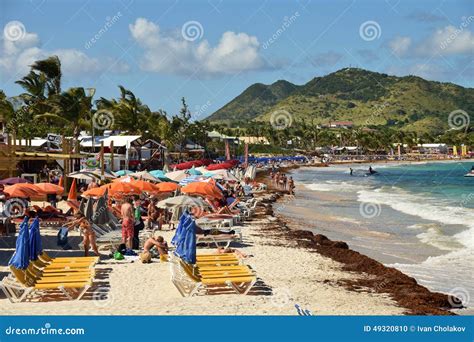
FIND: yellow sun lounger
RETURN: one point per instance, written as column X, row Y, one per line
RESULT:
column 25, row 283
column 45, row 258
column 197, row 279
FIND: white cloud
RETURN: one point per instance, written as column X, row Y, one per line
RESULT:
column 16, row 57
column 447, row 41
column 400, row 45
column 170, row 53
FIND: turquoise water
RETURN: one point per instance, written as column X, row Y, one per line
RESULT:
column 418, row 218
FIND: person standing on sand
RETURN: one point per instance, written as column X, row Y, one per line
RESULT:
column 291, row 186
column 127, row 223
column 88, row 235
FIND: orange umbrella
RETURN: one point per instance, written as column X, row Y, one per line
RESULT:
column 22, row 190
column 144, row 185
column 167, row 187
column 50, row 188
column 96, row 192
column 61, row 182
column 203, row 189
column 72, row 191
column 123, row 188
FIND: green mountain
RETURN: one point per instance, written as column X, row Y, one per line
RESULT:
column 363, row 97
column 254, row 101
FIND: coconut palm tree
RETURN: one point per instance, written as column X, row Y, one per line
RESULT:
column 51, row 68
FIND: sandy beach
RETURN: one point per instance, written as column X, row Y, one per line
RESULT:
column 287, row 275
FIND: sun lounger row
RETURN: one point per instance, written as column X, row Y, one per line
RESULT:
column 70, row 277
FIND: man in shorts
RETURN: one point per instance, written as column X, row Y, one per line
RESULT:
column 127, row 223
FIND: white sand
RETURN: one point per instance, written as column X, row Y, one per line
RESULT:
column 288, row 276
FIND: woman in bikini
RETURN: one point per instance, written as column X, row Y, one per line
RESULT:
column 87, row 233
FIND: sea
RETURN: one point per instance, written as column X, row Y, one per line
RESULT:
column 416, row 217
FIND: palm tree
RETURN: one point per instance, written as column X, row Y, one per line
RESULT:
column 51, row 68
column 72, row 108
column 128, row 111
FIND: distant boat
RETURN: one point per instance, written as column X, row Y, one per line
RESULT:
column 363, row 173
column 470, row 173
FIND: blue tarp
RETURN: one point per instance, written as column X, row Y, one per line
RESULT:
column 35, row 245
column 20, row 258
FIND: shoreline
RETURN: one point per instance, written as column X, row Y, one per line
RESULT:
column 378, row 278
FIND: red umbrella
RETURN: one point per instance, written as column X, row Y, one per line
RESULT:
column 221, row 166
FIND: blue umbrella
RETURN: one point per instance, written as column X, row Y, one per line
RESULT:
column 186, row 247
column 123, row 172
column 160, row 175
column 35, row 245
column 178, row 235
column 191, row 179
column 194, row 172
column 20, row 258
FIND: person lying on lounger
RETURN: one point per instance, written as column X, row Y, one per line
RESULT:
column 221, row 250
column 159, row 243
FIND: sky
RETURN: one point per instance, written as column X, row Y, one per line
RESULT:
column 210, row 51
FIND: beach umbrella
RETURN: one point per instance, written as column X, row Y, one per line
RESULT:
column 160, row 175
column 226, row 165
column 144, row 186
column 121, row 173
column 122, row 188
column 101, row 213
column 61, row 181
column 50, row 188
column 144, row 175
column 207, row 190
column 182, row 201
column 20, row 191
column 191, row 179
column 95, row 192
column 222, row 175
column 177, row 175
column 72, row 196
column 167, row 187
column 178, row 235
column 192, row 171
column 186, row 245
column 35, row 245
column 82, row 205
column 20, row 259
column 89, row 209
column 83, row 175
column 122, row 179
column 14, row 180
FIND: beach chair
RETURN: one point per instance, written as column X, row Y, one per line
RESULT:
column 218, row 240
column 24, row 284
column 46, row 259
column 209, row 260
column 199, row 279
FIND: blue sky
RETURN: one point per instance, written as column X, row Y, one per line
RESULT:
column 210, row 51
